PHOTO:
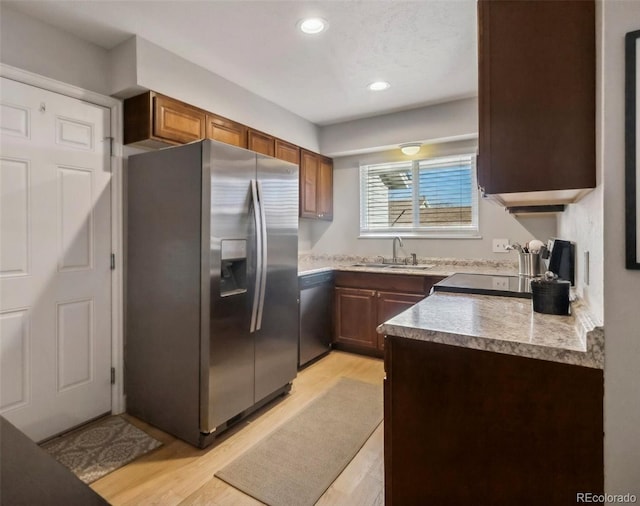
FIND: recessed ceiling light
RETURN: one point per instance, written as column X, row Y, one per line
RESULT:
column 379, row 86
column 313, row 25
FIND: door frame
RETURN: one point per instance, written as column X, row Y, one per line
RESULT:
column 117, row 278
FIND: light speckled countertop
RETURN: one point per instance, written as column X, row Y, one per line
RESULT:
column 311, row 264
column 502, row 325
column 491, row 323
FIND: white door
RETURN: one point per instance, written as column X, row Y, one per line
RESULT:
column 55, row 247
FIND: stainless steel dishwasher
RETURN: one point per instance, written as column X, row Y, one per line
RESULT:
column 316, row 316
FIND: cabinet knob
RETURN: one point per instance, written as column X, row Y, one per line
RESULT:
column 321, row 215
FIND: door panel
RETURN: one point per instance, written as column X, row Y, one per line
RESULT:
column 277, row 340
column 324, row 189
column 308, row 184
column 260, row 142
column 55, row 278
column 14, row 359
column 231, row 351
column 227, row 131
column 177, row 121
column 14, row 209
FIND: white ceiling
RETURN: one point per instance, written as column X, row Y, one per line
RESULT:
column 426, row 49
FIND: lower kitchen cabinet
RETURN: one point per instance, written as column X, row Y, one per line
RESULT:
column 356, row 317
column 365, row 300
column 468, row 427
column 390, row 304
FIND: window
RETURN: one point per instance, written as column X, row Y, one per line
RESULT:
column 433, row 197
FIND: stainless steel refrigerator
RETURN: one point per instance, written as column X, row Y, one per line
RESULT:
column 212, row 309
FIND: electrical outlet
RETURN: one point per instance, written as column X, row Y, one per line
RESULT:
column 500, row 245
column 499, row 283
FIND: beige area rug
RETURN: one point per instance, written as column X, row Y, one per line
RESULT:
column 101, row 447
column 295, row 464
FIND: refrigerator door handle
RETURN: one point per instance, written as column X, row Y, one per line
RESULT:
column 257, row 215
column 263, row 273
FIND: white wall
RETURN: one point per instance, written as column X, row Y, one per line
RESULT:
column 621, row 286
column 167, row 73
column 582, row 223
column 341, row 235
column 436, row 123
column 136, row 65
column 31, row 45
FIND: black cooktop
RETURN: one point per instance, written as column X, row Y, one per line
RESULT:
column 486, row 284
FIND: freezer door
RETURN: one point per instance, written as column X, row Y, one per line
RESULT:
column 276, row 345
column 229, row 280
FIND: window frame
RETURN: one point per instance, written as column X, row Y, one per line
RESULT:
column 471, row 231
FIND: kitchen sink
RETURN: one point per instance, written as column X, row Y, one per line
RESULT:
column 392, row 266
column 409, row 266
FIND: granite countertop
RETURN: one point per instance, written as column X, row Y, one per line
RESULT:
column 502, row 325
column 311, row 264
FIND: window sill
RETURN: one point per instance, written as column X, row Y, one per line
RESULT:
column 420, row 235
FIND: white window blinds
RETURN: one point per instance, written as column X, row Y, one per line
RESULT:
column 423, row 197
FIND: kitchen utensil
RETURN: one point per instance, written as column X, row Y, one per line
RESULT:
column 535, row 246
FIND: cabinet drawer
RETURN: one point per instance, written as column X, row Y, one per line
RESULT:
column 405, row 283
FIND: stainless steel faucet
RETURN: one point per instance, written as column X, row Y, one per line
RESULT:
column 399, row 242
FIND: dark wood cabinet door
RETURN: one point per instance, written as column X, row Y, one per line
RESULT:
column 287, row 151
column 324, row 189
column 224, row 130
column 506, row 426
column 390, row 304
column 176, row 121
column 260, row 142
column 308, row 184
column 537, row 72
column 356, row 317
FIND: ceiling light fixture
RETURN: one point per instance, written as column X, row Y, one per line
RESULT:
column 313, row 25
column 379, row 86
column 410, row 148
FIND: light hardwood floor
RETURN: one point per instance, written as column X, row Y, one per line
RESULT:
column 178, row 473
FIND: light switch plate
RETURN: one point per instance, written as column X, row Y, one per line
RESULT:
column 586, row 267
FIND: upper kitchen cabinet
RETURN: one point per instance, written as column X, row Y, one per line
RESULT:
column 536, row 101
column 154, row 120
column 316, row 186
column 287, row 151
column 260, row 142
column 224, row 130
